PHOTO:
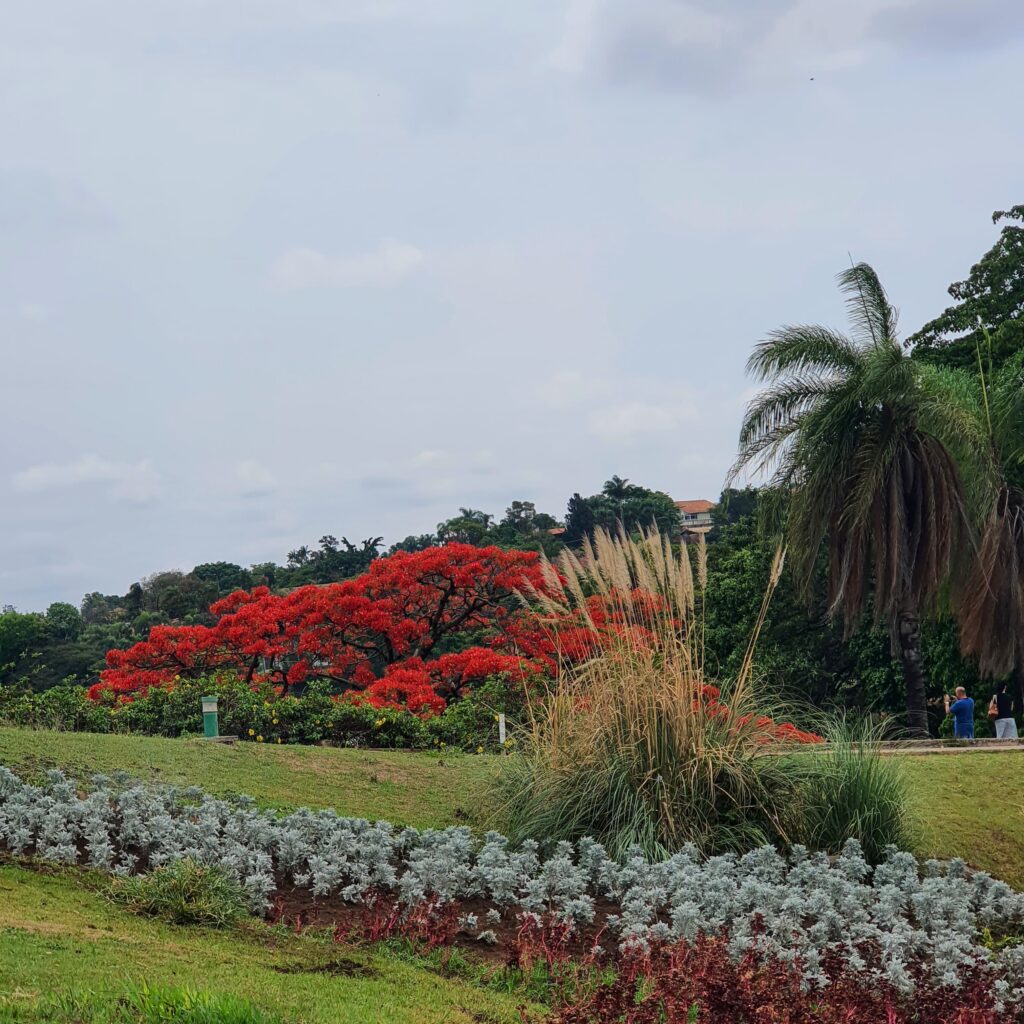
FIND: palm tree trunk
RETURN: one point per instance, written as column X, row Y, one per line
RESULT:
column 908, row 637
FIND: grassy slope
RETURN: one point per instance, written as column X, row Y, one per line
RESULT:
column 971, row 806
column 425, row 790
column 57, row 933
column 967, row 805
column 54, row 932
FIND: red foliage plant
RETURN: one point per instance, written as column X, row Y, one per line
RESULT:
column 428, row 924
column 700, row 982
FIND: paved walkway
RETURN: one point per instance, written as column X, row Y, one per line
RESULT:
column 980, row 746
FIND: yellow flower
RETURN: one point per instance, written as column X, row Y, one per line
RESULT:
column 274, row 721
column 252, row 732
column 495, row 717
column 379, row 722
column 444, row 744
column 259, row 739
column 479, row 750
column 278, row 739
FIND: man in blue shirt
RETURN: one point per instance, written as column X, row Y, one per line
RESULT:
column 962, row 710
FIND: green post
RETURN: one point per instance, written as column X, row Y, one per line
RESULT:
column 210, row 729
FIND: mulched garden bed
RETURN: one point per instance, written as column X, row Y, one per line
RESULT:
column 296, row 907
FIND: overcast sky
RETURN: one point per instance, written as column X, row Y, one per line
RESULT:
column 275, row 269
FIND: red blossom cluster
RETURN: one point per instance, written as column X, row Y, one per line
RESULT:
column 767, row 728
column 380, row 635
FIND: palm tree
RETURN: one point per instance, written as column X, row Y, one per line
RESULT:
column 618, row 488
column 862, row 440
column 991, row 608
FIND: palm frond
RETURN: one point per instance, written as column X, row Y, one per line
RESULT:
column 950, row 407
column 867, row 304
column 859, row 437
column 777, row 405
column 800, row 347
column 991, row 608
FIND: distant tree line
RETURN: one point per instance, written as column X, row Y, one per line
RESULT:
column 65, row 643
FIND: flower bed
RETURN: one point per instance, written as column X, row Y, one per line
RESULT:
column 706, row 982
column 898, row 922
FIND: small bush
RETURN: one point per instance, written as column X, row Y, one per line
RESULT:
column 141, row 1005
column 183, row 893
column 851, row 791
column 471, row 723
column 64, row 708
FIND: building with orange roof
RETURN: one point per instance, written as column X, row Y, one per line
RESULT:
column 696, row 516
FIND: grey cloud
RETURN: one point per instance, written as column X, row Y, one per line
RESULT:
column 575, row 239
column 949, row 26
column 395, row 490
column 698, row 46
column 386, row 483
column 709, row 48
column 134, row 482
column 37, row 204
column 642, row 55
column 253, row 480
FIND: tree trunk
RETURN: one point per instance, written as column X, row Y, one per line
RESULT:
column 908, row 637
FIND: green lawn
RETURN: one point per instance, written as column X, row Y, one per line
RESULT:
column 58, row 934
column 971, row 805
column 421, row 789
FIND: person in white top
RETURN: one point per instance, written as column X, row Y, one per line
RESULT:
column 1001, row 709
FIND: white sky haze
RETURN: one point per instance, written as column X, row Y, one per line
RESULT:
column 271, row 270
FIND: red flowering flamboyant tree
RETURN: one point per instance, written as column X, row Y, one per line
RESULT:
column 384, row 632
column 387, row 636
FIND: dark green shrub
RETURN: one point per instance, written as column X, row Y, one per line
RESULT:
column 148, row 715
column 16, row 706
column 65, row 708
column 256, row 712
column 366, row 726
column 183, row 893
column 471, row 723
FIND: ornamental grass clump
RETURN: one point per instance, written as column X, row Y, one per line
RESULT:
column 183, row 892
column 633, row 746
column 852, row 791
